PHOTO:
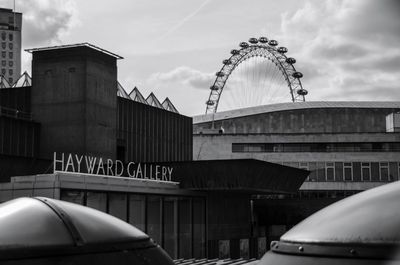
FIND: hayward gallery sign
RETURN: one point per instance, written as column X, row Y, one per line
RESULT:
column 67, row 162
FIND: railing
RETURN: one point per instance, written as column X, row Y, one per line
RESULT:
column 14, row 113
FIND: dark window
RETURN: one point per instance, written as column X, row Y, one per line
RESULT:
column 347, row 171
column 3, row 45
column 384, row 171
column 3, row 63
column 3, row 36
column 10, row 63
column 10, row 45
column 315, row 147
column 366, row 171
column 10, row 37
column 10, row 71
column 10, row 81
column 3, row 54
column 3, row 71
column 10, row 55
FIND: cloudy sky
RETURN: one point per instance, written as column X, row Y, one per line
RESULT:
column 346, row 49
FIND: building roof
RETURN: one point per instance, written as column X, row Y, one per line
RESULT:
column 294, row 106
column 237, row 175
column 84, row 44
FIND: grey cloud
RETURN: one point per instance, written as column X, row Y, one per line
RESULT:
column 45, row 21
column 184, row 75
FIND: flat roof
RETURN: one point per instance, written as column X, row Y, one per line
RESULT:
column 293, row 106
column 84, row 44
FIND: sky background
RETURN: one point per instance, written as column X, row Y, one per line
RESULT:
column 346, row 49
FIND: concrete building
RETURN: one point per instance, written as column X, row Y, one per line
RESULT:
column 76, row 135
column 348, row 147
column 10, row 49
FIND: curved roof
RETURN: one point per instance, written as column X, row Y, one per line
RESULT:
column 32, row 226
column 294, row 106
column 364, row 226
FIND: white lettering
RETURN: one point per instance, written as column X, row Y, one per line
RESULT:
column 100, row 166
column 157, row 172
column 164, row 173
column 139, row 170
column 90, row 163
column 131, row 175
column 79, row 161
column 55, row 161
column 170, row 173
column 70, row 162
column 119, row 162
column 110, row 164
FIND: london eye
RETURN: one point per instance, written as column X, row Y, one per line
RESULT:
column 256, row 74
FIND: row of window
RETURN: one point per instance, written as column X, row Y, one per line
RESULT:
column 4, row 45
column 315, row 147
column 4, row 63
column 350, row 171
column 176, row 223
column 4, row 36
column 4, row 55
column 10, row 71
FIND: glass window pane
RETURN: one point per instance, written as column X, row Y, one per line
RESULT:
column 153, row 228
column 185, row 228
column 137, row 204
column 117, row 205
column 97, row 200
column 170, row 210
column 73, row 196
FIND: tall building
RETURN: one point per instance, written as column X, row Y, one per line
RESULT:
column 10, row 48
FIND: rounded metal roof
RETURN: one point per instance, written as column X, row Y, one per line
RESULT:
column 363, row 227
column 31, row 227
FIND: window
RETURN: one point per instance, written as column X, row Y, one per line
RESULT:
column 3, row 36
column 3, row 45
column 10, row 71
column 10, row 80
column 384, row 171
column 330, row 171
column 366, row 171
column 10, row 55
column 10, row 37
column 3, row 54
column 10, row 63
column 10, row 45
column 3, row 71
column 3, row 63
column 347, row 171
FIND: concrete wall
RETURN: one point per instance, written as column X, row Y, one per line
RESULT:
column 324, row 120
column 74, row 99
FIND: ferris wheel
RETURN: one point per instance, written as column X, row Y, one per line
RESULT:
column 256, row 74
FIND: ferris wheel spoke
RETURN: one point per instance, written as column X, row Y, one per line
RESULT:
column 258, row 73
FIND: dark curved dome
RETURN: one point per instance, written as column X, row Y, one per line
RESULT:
column 365, row 226
column 42, row 227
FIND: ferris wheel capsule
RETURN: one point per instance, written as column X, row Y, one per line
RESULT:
column 263, row 40
column 253, row 40
column 282, row 50
column 226, row 61
column 273, row 43
column 302, row 92
column 244, row 44
column 297, row 75
column 219, row 74
column 235, row 52
column 214, row 87
column 210, row 102
column 291, row 60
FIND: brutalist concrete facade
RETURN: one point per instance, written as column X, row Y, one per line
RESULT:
column 345, row 145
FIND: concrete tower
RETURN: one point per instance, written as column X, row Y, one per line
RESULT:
column 74, row 97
